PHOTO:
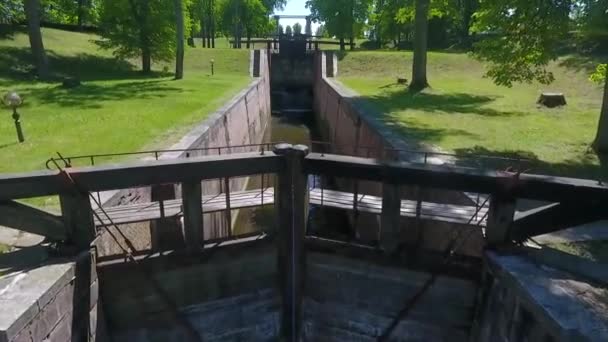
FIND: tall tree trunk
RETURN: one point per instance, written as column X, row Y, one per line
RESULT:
column 146, row 60
column 421, row 28
column 179, row 53
column 204, row 32
column 80, row 14
column 32, row 13
column 601, row 139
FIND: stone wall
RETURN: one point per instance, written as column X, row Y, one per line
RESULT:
column 348, row 299
column 242, row 121
column 524, row 300
column 227, row 294
column 55, row 302
column 354, row 127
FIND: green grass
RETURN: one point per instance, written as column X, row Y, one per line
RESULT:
column 593, row 250
column 466, row 114
column 116, row 109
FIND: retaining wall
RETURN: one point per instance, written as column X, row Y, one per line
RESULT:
column 354, row 127
column 57, row 301
column 242, row 121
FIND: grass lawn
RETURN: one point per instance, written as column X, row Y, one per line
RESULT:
column 593, row 250
column 116, row 109
column 465, row 113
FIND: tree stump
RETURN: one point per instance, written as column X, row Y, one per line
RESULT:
column 552, row 100
column 402, row 81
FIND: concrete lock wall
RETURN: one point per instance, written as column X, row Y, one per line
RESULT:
column 242, row 121
column 226, row 295
column 353, row 127
column 57, row 301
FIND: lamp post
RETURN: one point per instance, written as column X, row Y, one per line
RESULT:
column 212, row 69
column 13, row 100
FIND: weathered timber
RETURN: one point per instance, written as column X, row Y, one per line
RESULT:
column 78, row 218
column 291, row 209
column 32, row 220
column 500, row 219
column 555, row 217
column 193, row 215
column 142, row 212
column 547, row 188
column 390, row 221
column 143, row 173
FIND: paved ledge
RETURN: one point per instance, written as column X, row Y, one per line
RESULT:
column 567, row 306
column 25, row 295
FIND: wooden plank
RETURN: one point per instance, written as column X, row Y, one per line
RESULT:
column 150, row 211
column 555, row 217
column 291, row 217
column 329, row 198
column 500, row 219
column 32, row 220
column 547, row 188
column 78, row 218
column 390, row 220
column 193, row 215
column 136, row 174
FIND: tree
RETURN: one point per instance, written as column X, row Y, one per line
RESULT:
column 32, row 14
column 288, row 31
column 179, row 31
column 249, row 17
column 297, row 29
column 522, row 37
column 138, row 28
column 601, row 139
column 73, row 12
column 321, row 31
column 525, row 37
column 11, row 11
column 419, row 78
column 281, row 30
column 308, row 28
column 343, row 18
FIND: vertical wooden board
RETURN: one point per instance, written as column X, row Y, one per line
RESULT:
column 193, row 215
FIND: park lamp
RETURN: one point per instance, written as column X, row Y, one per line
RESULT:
column 212, row 66
column 13, row 101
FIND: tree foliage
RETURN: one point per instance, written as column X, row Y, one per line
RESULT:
column 139, row 28
column 522, row 37
column 344, row 19
column 288, row 31
column 297, row 29
column 11, row 11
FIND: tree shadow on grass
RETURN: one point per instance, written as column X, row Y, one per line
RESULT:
column 16, row 64
column 93, row 95
column 460, row 103
column 588, row 166
column 578, row 63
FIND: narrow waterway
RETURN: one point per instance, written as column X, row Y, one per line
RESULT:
column 294, row 127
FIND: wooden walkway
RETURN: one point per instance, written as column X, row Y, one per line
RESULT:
column 450, row 213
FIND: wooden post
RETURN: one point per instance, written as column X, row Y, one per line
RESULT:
column 500, row 218
column 390, row 220
column 291, row 207
column 193, row 215
column 78, row 217
column 166, row 231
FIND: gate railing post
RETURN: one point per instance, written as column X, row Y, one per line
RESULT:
column 291, row 208
column 500, row 218
column 390, row 219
